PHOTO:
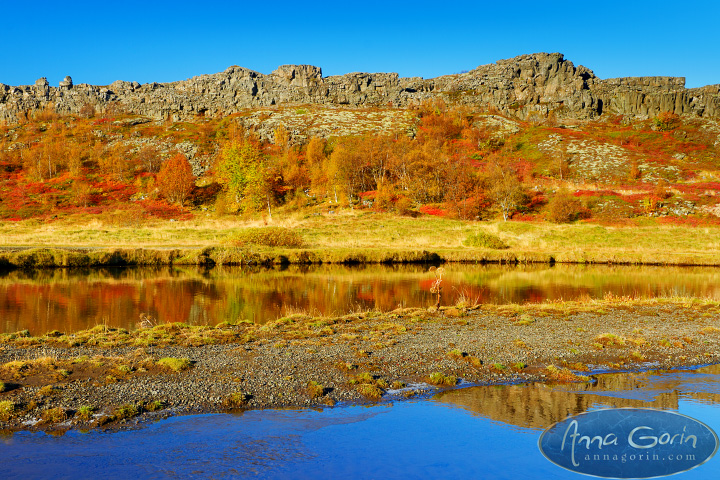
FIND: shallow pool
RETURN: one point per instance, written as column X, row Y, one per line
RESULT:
column 478, row 432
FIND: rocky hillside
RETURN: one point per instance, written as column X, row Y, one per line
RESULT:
column 522, row 87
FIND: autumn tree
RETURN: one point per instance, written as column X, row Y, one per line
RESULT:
column 115, row 162
column 427, row 173
column 563, row 208
column 464, row 193
column 149, row 158
column 317, row 165
column 244, row 173
column 175, row 179
column 504, row 188
column 347, row 170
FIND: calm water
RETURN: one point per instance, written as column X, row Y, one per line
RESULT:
column 479, row 432
column 71, row 300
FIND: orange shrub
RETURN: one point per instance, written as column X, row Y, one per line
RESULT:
column 176, row 179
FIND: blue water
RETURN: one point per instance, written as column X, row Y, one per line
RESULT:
column 456, row 435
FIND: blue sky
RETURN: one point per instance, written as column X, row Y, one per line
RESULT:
column 100, row 42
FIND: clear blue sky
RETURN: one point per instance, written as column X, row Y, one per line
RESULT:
column 100, row 42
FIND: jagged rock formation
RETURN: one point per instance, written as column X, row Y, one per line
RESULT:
column 526, row 85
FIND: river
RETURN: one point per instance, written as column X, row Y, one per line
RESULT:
column 70, row 300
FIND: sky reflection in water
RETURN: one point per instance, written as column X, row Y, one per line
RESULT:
column 480, row 432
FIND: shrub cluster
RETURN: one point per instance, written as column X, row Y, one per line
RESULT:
column 485, row 240
column 564, row 208
column 267, row 236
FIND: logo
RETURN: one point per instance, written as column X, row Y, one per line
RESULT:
column 629, row 443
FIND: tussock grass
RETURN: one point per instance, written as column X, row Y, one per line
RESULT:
column 498, row 367
column 610, row 340
column 85, row 412
column 315, row 390
column 175, row 364
column 47, row 391
column 267, row 236
column 637, row 356
column 563, row 375
column 236, row 400
column 370, row 391
column 369, row 385
column 7, row 410
column 352, row 328
column 155, row 405
column 525, row 319
column 440, row 379
column 456, row 354
column 126, row 411
column 485, row 240
column 54, row 415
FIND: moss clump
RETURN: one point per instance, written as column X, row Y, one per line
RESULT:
column 85, row 412
column 372, row 392
column 485, row 240
column 364, row 377
column 564, row 375
column 236, row 400
column 498, row 367
column 7, row 409
column 315, row 390
column 126, row 411
column 474, row 362
column 609, row 340
column 155, row 406
column 440, row 379
column 54, row 415
column 267, row 237
column 369, row 386
column 524, row 320
column 47, row 391
column 175, row 364
column 456, row 354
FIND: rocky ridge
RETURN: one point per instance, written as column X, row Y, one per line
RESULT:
column 528, row 85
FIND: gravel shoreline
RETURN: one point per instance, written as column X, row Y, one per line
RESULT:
column 301, row 361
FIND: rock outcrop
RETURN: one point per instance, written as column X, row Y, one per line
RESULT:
column 524, row 86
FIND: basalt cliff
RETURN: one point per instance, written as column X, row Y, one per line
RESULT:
column 528, row 85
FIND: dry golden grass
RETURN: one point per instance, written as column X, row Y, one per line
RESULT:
column 367, row 233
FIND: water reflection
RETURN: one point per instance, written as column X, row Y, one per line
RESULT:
column 70, row 300
column 480, row 432
column 539, row 405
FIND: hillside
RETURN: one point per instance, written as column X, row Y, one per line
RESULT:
column 432, row 158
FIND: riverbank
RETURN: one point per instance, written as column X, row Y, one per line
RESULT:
column 113, row 377
column 34, row 258
column 352, row 237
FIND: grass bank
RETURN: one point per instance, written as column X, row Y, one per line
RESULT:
column 354, row 237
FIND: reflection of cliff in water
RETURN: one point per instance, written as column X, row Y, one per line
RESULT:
column 540, row 405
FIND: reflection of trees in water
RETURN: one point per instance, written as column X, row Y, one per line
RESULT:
column 540, row 405
column 73, row 299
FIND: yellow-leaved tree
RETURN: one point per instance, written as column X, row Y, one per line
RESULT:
column 244, row 174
